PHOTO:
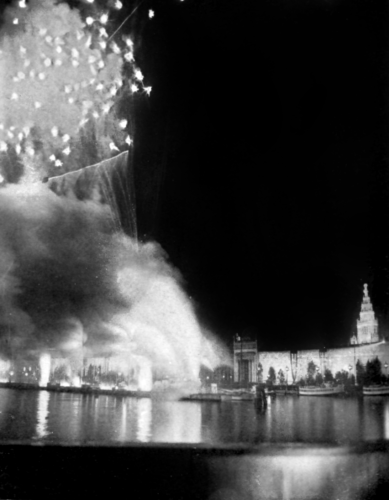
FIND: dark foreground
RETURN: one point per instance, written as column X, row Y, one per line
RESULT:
column 195, row 472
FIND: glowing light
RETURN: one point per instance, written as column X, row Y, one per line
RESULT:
column 99, row 86
column 129, row 42
column 134, row 88
column 128, row 140
column 1, row 178
column 42, row 31
column 3, row 146
column 66, row 138
column 49, row 39
column 32, row 74
column 106, row 108
column 27, row 63
column 66, row 151
column 59, row 49
column 54, row 131
column 10, row 134
column 101, row 64
column 14, row 96
column 22, row 49
column 115, row 48
column 58, row 163
column 20, row 136
column 129, row 56
column 88, row 41
column 104, row 19
column 58, row 62
column 112, row 147
column 37, row 104
column 41, row 76
column 75, row 63
column 103, row 32
column 103, row 45
column 90, row 1
column 22, row 4
column 138, row 75
column 92, row 59
column 71, row 100
column 113, row 91
column 123, row 123
column 118, row 4
column 30, row 151
column 16, row 20
column 151, row 13
column 95, row 114
column 68, row 89
column 18, row 149
column 75, row 53
column 47, row 62
column 89, row 20
column 52, row 158
column 148, row 90
column 44, row 365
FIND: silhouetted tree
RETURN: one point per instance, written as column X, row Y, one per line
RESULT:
column 361, row 372
column 328, row 376
column 271, row 378
column 281, row 377
column 373, row 372
column 311, row 373
column 319, row 379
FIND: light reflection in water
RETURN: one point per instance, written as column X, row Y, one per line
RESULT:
column 42, row 414
column 144, row 420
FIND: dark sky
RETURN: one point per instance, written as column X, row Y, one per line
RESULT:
column 261, row 162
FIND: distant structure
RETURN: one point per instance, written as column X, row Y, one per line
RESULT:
column 367, row 324
column 251, row 365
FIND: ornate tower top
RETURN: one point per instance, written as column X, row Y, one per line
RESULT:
column 367, row 325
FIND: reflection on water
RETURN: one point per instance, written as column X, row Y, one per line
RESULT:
column 42, row 414
column 77, row 418
column 144, row 420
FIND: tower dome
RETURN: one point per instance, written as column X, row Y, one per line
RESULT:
column 367, row 324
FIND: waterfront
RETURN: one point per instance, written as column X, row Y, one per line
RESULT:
column 61, row 418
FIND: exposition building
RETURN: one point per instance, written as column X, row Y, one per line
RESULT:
column 251, row 365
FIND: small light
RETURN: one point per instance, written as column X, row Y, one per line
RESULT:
column 103, row 45
column 3, row 146
column 71, row 100
column 66, row 138
column 42, row 31
column 37, row 104
column 89, row 20
column 16, row 21
column 92, row 59
column 75, row 53
column 59, row 49
column 54, row 131
column 49, row 39
column 112, row 147
column 104, row 19
column 95, row 114
column 68, row 89
column 99, row 86
column 138, row 75
column 30, row 151
column 128, row 140
column 20, row 136
column 22, row 4
column 47, row 62
column 118, row 4
column 151, row 13
column 58, row 62
column 14, row 96
column 115, row 48
column 41, row 76
column 75, row 63
column 101, row 64
column 148, row 90
column 32, row 74
column 113, row 91
column 123, row 124
column 66, row 151
column 129, row 56
column 23, row 50
column 58, row 163
column 103, row 32
column 18, row 149
column 26, row 63
column 134, row 88
column 52, row 158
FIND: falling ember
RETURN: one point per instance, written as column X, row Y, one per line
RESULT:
column 45, row 367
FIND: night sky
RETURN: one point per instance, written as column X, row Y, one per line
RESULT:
column 261, row 162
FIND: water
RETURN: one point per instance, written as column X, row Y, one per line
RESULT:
column 40, row 416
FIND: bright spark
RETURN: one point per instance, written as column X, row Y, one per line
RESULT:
column 37, row 104
column 22, row 4
column 112, row 147
column 54, row 131
column 138, row 75
column 118, row 4
column 128, row 140
column 58, row 163
column 151, row 13
column 134, row 88
column 66, row 138
column 52, row 158
column 129, row 56
column 66, row 151
column 104, row 19
column 16, row 20
column 123, row 123
column 14, row 96
column 148, row 90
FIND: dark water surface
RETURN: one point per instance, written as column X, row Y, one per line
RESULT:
column 76, row 418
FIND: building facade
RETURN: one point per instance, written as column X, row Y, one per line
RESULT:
column 251, row 365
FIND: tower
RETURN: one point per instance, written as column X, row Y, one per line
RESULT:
column 367, row 324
